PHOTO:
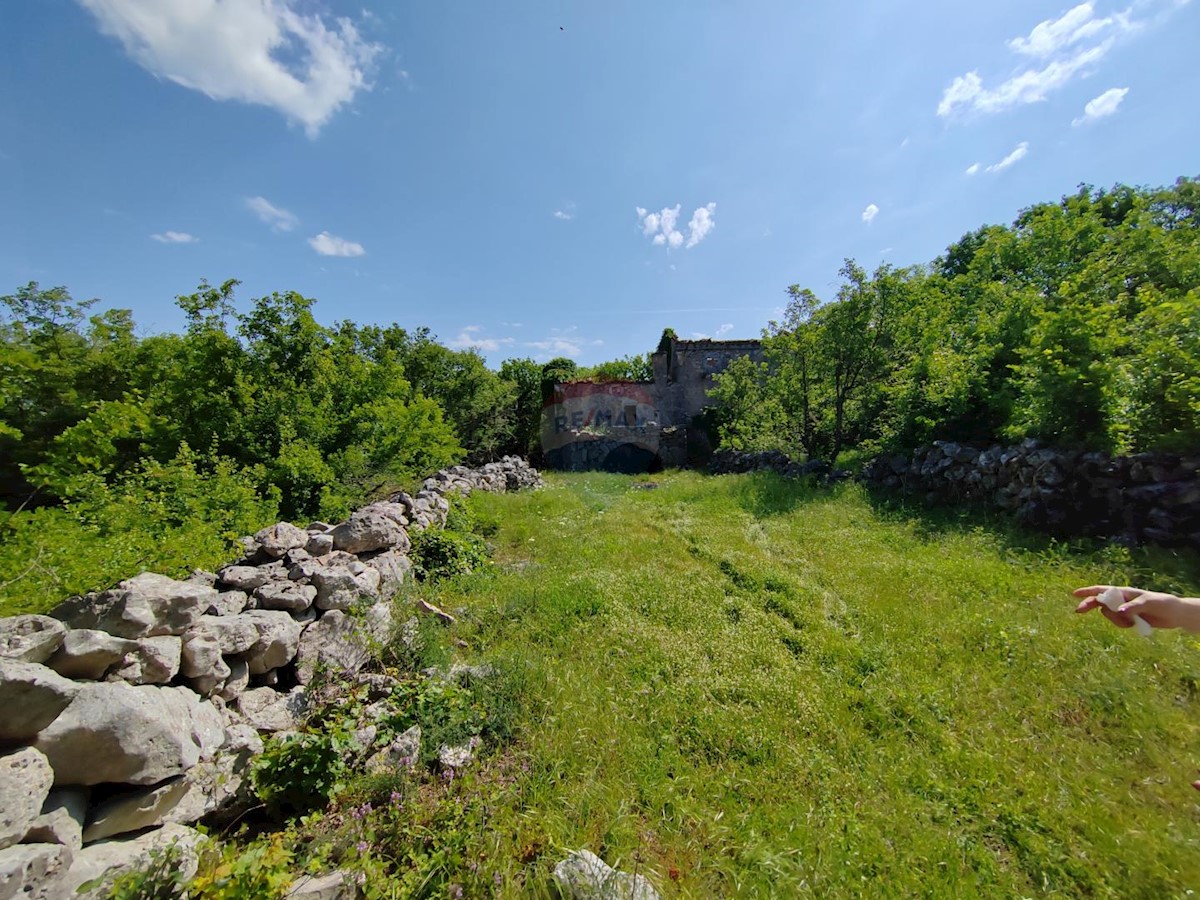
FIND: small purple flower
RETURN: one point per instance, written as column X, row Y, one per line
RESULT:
column 396, row 798
column 362, row 847
column 456, row 891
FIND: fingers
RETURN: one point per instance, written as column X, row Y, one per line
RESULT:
column 1118, row 619
column 1097, row 589
column 1134, row 605
column 1088, row 605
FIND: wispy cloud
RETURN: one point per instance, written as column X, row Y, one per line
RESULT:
column 471, row 337
column 973, row 168
column 1054, row 35
column 330, row 245
column 869, row 214
column 724, row 329
column 279, row 219
column 262, row 52
column 562, row 342
column 1100, row 107
column 567, row 213
column 1018, row 154
column 175, row 237
column 661, row 228
column 1064, row 48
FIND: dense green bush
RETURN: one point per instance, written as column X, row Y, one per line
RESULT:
column 1078, row 325
column 442, row 553
column 166, row 517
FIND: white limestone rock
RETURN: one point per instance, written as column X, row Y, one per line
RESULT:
column 286, row 595
column 30, row 638
column 366, row 530
column 270, row 710
column 585, row 876
column 153, row 660
column 134, row 810
column 126, row 734
column 87, row 654
column 143, row 606
column 278, row 638
column 34, row 871
column 341, row 642
column 32, row 697
column 244, row 578
column 340, row 587
column 25, row 780
column 280, row 538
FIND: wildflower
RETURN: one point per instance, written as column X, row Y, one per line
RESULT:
column 456, row 891
column 396, row 799
column 362, row 847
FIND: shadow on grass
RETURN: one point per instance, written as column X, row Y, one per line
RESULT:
column 1162, row 568
column 768, row 493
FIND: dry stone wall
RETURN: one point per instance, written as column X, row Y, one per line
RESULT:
column 130, row 713
column 1146, row 498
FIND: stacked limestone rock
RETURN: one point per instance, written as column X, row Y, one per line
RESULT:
column 733, row 462
column 1146, row 498
column 130, row 713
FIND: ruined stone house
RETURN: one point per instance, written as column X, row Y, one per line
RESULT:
column 638, row 426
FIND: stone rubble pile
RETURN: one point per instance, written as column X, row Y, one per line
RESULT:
column 130, row 713
column 1145, row 498
column 735, row 462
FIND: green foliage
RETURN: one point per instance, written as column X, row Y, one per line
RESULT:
column 915, row 678
column 668, row 336
column 299, row 772
column 329, row 414
column 628, row 368
column 442, row 553
column 167, row 517
column 260, row 871
column 1075, row 325
column 525, row 376
column 160, row 878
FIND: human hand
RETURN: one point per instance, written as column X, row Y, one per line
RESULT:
column 1158, row 609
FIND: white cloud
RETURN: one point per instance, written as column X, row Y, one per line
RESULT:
column 869, row 214
column 278, row 219
column 972, row 168
column 469, row 338
column 565, row 216
column 1031, row 86
column 724, row 329
column 701, row 224
column 661, row 228
column 1075, row 25
column 261, row 52
column 330, row 245
column 562, row 342
column 1064, row 47
column 175, row 237
column 1018, row 154
column 1104, row 105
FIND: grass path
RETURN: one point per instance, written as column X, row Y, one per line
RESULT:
column 743, row 686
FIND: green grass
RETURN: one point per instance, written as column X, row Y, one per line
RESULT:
column 739, row 685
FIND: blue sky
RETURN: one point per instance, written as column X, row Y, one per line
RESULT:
column 558, row 178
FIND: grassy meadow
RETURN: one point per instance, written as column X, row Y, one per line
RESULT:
column 745, row 686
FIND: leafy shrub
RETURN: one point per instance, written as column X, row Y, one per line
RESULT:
column 299, row 772
column 442, row 553
column 260, row 871
column 166, row 517
column 159, row 878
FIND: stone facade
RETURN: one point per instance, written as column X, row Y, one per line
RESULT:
column 637, row 426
